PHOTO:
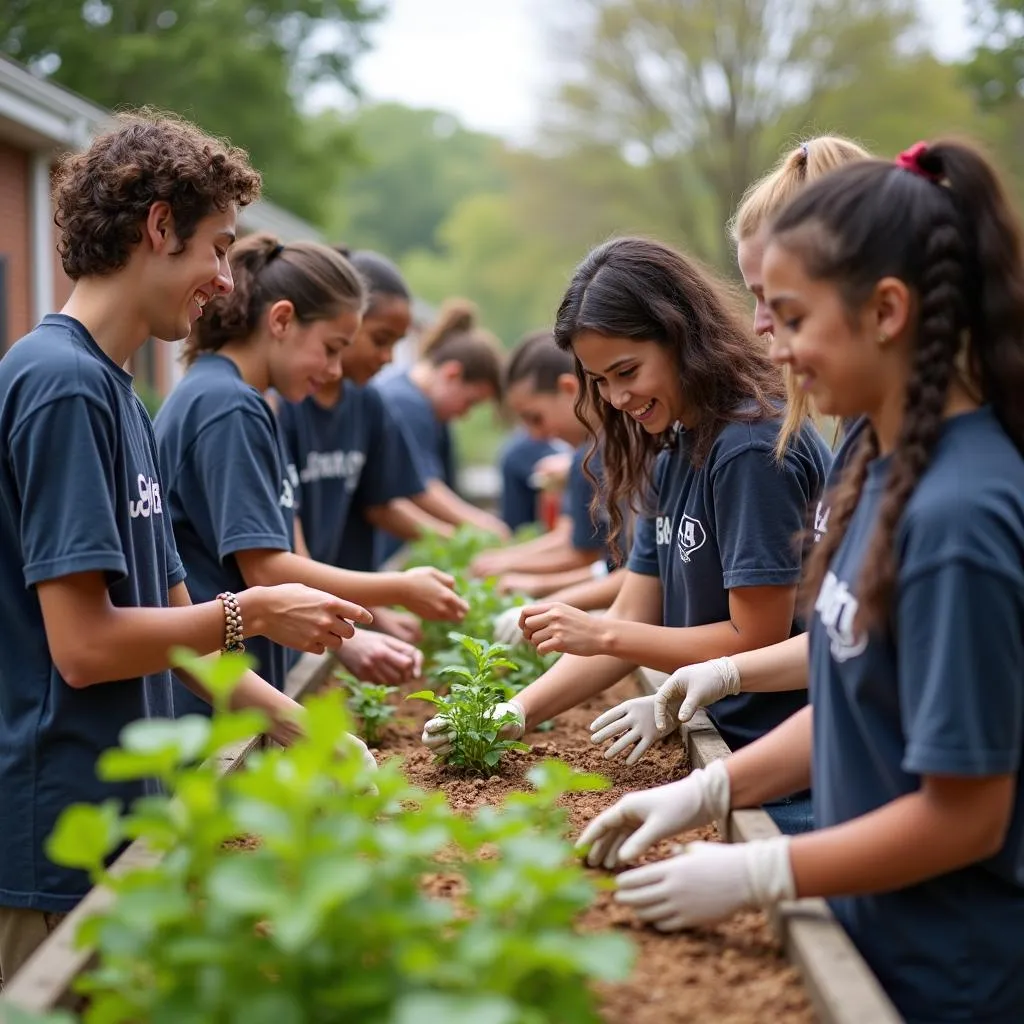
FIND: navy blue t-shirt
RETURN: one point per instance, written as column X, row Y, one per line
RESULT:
column 519, row 455
column 79, row 492
column 589, row 533
column 230, row 487
column 350, row 457
column 429, row 440
column 940, row 693
column 732, row 522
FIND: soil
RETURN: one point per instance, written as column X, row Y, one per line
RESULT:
column 729, row 973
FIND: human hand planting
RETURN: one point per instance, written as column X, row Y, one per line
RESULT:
column 430, row 594
column 297, row 616
column 378, row 658
column 630, row 724
column 441, row 732
column 636, row 822
column 506, row 627
column 693, row 687
column 403, row 625
column 561, row 629
column 708, row 882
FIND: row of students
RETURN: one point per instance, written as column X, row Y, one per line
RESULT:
column 94, row 594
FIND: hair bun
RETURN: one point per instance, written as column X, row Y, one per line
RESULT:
column 455, row 316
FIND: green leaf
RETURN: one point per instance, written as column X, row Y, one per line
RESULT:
column 457, row 670
column 84, row 835
column 454, row 1009
column 427, row 695
column 273, row 1007
column 246, row 883
column 185, row 736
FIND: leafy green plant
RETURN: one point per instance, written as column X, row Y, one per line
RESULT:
column 331, row 916
column 368, row 702
column 469, row 705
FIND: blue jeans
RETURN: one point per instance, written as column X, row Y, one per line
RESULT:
column 792, row 815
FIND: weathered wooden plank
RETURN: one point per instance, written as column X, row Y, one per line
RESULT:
column 44, row 983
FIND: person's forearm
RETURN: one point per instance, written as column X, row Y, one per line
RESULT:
column 443, row 503
column 774, row 766
column 592, row 594
column 911, row 839
column 124, row 643
column 570, row 681
column 273, row 567
column 559, row 557
column 406, row 520
column 771, row 669
column 552, row 582
column 555, row 539
column 665, row 648
column 253, row 692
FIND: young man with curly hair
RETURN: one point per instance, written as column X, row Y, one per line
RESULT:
column 92, row 594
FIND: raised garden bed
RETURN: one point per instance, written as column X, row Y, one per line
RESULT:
column 736, row 971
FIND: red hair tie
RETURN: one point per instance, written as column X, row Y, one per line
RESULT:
column 910, row 160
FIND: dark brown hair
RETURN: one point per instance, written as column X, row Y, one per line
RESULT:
column 383, row 279
column 317, row 280
column 538, row 359
column 455, row 337
column 640, row 289
column 103, row 196
column 956, row 242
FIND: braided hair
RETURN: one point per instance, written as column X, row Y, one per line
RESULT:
column 940, row 222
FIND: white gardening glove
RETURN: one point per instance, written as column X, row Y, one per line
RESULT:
column 633, row 722
column 438, row 734
column 693, row 687
column 621, row 833
column 709, row 881
column 369, row 761
column 506, row 628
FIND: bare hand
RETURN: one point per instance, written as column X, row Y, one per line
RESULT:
column 403, row 625
column 560, row 628
column 551, row 472
column 376, row 658
column 490, row 563
column 430, row 594
column 297, row 616
column 529, row 583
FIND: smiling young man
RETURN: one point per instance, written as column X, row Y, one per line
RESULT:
column 92, row 596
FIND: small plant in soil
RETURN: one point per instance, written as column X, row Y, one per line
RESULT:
column 477, row 746
column 340, row 909
column 369, row 704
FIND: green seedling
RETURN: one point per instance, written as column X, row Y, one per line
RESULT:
column 327, row 917
column 477, row 745
column 369, row 704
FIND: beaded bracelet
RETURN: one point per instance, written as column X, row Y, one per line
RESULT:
column 233, row 634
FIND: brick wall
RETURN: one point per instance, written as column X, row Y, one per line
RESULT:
column 14, row 241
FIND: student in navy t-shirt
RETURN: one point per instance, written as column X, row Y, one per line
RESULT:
column 689, row 407
column 541, row 389
column 459, row 366
column 637, row 723
column 355, row 468
column 231, row 488
column 519, row 492
column 92, row 596
column 897, row 293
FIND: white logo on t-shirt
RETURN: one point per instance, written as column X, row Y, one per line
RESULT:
column 338, row 465
column 663, row 530
column 288, row 485
column 149, row 503
column 837, row 609
column 821, row 514
column 689, row 537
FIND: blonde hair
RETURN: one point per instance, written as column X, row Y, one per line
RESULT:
column 810, row 160
column 456, row 337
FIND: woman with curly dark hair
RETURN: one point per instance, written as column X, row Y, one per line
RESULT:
column 92, row 593
column 689, row 410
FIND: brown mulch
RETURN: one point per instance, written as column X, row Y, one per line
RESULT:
column 729, row 973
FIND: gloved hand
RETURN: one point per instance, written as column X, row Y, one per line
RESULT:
column 693, row 687
column 369, row 761
column 709, row 881
column 633, row 722
column 438, row 734
column 506, row 628
column 639, row 820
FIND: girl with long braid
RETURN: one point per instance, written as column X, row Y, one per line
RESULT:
column 898, row 294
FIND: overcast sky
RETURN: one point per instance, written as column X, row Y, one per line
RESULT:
column 485, row 60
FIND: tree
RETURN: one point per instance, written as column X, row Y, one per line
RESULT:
column 702, row 93
column 415, row 165
column 236, row 67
